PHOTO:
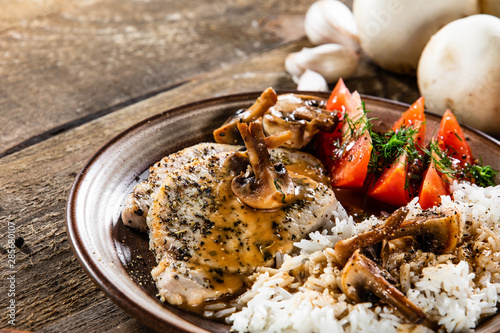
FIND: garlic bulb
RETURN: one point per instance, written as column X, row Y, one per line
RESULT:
column 330, row 21
column 312, row 81
column 332, row 61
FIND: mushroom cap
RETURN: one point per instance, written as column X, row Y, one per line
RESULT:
column 394, row 33
column 303, row 115
column 460, row 70
column 434, row 231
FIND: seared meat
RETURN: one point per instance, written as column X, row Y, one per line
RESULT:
column 138, row 202
column 205, row 239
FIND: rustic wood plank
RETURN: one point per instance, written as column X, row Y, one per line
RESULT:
column 85, row 61
column 16, row 13
column 106, row 314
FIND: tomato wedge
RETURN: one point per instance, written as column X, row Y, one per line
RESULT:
column 452, row 141
column 391, row 187
column 414, row 117
column 350, row 169
column 433, row 187
column 326, row 142
column 339, row 97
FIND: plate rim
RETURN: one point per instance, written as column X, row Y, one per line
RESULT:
column 89, row 264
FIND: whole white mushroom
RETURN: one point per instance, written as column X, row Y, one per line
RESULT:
column 460, row 70
column 394, row 32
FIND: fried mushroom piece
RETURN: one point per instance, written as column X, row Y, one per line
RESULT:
column 228, row 132
column 363, row 281
column 433, row 231
column 263, row 185
column 345, row 248
column 303, row 115
column 238, row 162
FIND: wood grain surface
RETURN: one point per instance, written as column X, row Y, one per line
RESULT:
column 75, row 74
column 82, row 61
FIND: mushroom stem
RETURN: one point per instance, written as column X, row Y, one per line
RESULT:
column 228, row 132
column 362, row 278
column 276, row 140
column 345, row 248
column 267, row 186
column 238, row 161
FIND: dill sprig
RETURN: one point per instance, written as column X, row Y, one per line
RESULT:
column 388, row 146
column 354, row 129
column 479, row 174
column 443, row 163
column 482, row 175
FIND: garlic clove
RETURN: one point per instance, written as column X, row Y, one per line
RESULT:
column 312, row 81
column 332, row 61
column 330, row 21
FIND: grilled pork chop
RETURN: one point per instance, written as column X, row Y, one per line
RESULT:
column 138, row 202
column 206, row 240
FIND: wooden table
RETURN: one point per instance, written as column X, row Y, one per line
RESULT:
column 73, row 74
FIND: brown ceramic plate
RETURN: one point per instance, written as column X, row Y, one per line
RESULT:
column 117, row 258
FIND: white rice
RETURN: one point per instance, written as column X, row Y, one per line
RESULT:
column 455, row 296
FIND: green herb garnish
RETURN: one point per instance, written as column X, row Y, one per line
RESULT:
column 482, row 175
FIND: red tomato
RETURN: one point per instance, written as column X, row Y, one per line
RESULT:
column 391, row 187
column 351, row 168
column 432, row 188
column 339, row 97
column 415, row 117
column 326, row 142
column 452, row 141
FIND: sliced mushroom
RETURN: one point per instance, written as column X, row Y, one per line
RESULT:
column 433, row 231
column 303, row 115
column 345, row 248
column 362, row 279
column 264, row 185
column 228, row 132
